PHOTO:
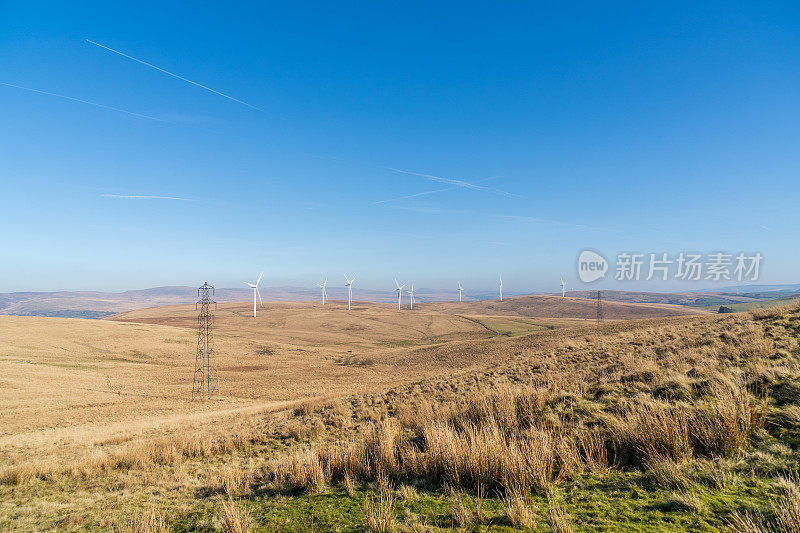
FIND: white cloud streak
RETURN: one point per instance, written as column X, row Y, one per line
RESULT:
column 415, row 195
column 450, row 181
column 146, row 197
column 65, row 97
column 173, row 75
column 458, row 183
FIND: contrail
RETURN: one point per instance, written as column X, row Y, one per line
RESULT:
column 424, row 193
column 173, row 75
column 81, row 101
column 459, row 183
column 146, row 197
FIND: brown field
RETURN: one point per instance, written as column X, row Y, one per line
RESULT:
column 76, row 383
column 106, row 404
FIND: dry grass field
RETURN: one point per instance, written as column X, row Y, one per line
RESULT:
column 478, row 416
column 69, row 384
column 74, row 383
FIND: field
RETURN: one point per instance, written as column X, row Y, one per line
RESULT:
column 474, row 416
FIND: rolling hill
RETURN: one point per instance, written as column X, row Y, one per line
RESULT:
column 545, row 306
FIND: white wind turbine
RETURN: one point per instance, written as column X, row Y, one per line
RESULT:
column 460, row 290
column 411, row 295
column 501, row 288
column 349, row 285
column 563, row 284
column 399, row 292
column 256, row 293
column 324, row 291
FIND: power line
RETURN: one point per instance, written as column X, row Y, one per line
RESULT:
column 206, row 370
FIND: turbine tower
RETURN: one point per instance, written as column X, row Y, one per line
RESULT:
column 460, row 290
column 324, row 292
column 256, row 293
column 563, row 284
column 399, row 292
column 411, row 295
column 349, row 285
column 501, row 288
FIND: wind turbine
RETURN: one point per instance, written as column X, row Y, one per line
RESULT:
column 324, row 292
column 501, row 288
column 563, row 284
column 399, row 292
column 256, row 293
column 349, row 286
column 411, row 294
column 460, row 290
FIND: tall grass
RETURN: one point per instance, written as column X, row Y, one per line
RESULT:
column 519, row 512
column 235, row 518
column 785, row 511
column 506, row 439
column 378, row 512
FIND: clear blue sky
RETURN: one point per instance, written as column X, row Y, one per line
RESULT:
column 653, row 128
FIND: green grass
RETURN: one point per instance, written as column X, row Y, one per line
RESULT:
column 614, row 502
column 509, row 327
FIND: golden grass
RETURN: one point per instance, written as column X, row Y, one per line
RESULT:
column 557, row 517
column 378, row 510
column 524, row 437
column 151, row 521
column 87, row 383
column 524, row 414
column 235, row 518
column 518, row 511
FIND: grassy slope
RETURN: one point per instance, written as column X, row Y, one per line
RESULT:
column 597, row 368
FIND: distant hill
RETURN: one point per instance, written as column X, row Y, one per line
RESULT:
column 546, row 306
column 754, row 289
column 95, row 304
column 695, row 299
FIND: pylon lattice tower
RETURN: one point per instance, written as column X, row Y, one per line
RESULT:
column 206, row 371
column 599, row 306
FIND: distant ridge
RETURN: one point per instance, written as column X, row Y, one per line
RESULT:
column 98, row 304
column 551, row 306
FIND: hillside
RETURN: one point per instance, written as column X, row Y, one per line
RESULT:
column 558, row 307
column 324, row 411
column 82, row 382
column 115, row 367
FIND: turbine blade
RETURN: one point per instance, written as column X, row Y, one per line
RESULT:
column 248, row 284
column 259, row 278
column 259, row 297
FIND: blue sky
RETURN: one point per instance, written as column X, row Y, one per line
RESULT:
column 652, row 128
